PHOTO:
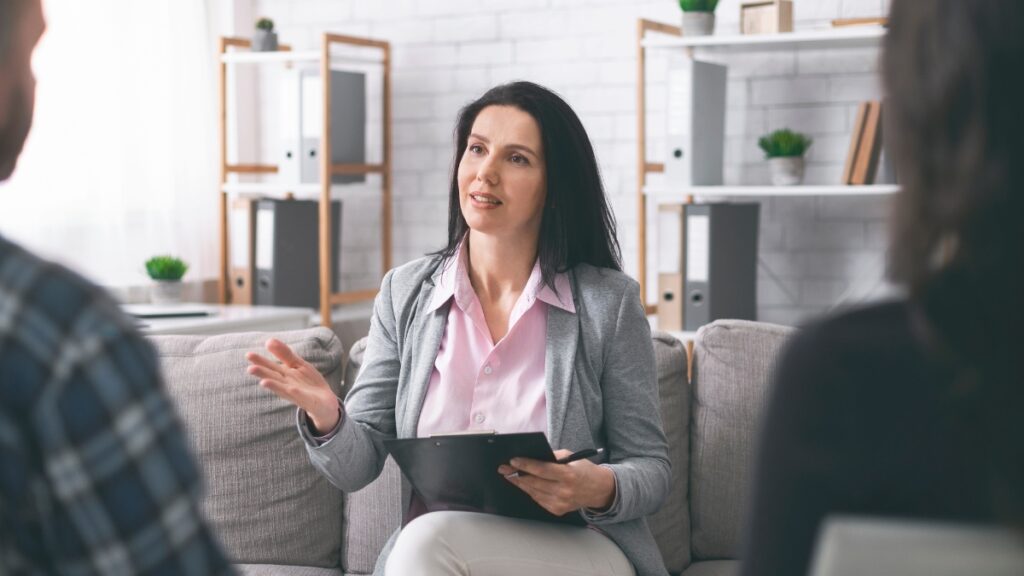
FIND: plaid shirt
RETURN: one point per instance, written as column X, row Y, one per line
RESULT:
column 95, row 473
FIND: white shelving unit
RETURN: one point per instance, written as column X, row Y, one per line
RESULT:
column 669, row 38
column 663, row 193
column 235, row 51
column 849, row 37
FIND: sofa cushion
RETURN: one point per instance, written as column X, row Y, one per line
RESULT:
column 281, row 570
column 371, row 516
column 263, row 498
column 671, row 524
column 733, row 362
column 375, row 512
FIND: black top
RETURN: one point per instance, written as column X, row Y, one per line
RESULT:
column 862, row 421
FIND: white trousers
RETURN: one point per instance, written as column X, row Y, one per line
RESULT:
column 471, row 544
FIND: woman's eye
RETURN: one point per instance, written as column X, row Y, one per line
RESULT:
column 476, row 148
column 520, row 159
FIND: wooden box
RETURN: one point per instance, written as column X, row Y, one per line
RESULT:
column 766, row 17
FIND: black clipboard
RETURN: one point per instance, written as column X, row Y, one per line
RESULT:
column 460, row 472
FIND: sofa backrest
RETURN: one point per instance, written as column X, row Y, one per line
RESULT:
column 265, row 501
column 733, row 363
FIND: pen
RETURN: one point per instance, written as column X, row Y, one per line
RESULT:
column 580, row 455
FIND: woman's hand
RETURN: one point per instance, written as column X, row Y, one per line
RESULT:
column 298, row 382
column 563, row 488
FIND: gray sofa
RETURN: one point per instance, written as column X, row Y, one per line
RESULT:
column 276, row 515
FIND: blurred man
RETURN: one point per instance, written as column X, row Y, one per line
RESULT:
column 95, row 473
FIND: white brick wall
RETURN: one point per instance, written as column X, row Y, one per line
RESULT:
column 815, row 252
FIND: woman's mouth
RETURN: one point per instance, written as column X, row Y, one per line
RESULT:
column 485, row 199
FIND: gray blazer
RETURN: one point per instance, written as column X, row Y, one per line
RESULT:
column 601, row 392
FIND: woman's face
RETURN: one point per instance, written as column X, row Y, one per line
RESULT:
column 502, row 177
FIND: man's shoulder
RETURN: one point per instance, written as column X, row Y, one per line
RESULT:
column 46, row 297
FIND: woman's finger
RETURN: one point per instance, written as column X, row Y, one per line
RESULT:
column 264, row 373
column 547, row 470
column 264, row 362
column 280, row 389
column 286, row 355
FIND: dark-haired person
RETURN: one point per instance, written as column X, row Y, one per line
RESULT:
column 95, row 473
column 524, row 322
column 914, row 408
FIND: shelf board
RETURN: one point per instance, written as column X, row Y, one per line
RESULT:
column 289, row 57
column 354, row 190
column 848, row 37
column 661, row 192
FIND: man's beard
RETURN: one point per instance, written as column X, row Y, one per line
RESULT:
column 14, row 132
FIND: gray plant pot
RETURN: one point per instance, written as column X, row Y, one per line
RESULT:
column 787, row 171
column 165, row 292
column 698, row 23
column 263, row 41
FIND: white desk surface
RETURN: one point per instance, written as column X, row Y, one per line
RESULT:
column 223, row 319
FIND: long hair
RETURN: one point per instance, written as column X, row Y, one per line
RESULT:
column 955, row 124
column 577, row 225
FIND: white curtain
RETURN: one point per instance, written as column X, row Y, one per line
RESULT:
column 122, row 160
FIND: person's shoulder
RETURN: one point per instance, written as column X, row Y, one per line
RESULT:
column 858, row 348
column 412, row 274
column 881, row 324
column 603, row 283
column 48, row 293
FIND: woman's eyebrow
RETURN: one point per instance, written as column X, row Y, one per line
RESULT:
column 526, row 149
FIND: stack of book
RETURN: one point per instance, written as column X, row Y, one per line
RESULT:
column 865, row 145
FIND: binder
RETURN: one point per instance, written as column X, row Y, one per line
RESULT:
column 721, row 263
column 671, row 262
column 302, row 101
column 460, row 472
column 696, row 123
column 287, row 252
column 242, row 250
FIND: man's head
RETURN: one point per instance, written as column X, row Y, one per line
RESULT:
column 21, row 25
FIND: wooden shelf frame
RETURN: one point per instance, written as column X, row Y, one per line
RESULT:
column 645, row 167
column 328, row 299
column 667, row 37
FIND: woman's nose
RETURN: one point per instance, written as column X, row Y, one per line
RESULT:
column 486, row 172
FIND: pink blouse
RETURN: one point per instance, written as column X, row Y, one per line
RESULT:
column 478, row 384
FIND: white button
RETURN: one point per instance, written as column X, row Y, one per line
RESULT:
column 488, row 369
column 478, row 418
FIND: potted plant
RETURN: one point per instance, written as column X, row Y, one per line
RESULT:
column 265, row 39
column 698, row 17
column 785, row 152
column 166, row 272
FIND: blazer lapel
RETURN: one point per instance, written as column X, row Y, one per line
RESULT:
column 425, row 340
column 563, row 334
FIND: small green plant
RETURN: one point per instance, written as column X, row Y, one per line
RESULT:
column 165, row 268
column 265, row 24
column 784, row 144
column 698, row 5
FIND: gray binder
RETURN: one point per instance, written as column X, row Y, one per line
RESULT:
column 288, row 252
column 721, row 263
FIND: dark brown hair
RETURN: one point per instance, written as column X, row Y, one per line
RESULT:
column 955, row 126
column 577, row 225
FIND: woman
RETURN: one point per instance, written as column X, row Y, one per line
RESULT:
column 524, row 322
column 914, row 408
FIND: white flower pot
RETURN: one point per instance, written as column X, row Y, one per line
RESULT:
column 165, row 292
column 787, row 171
column 698, row 23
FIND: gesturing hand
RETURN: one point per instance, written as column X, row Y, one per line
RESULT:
column 563, row 488
column 298, row 382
